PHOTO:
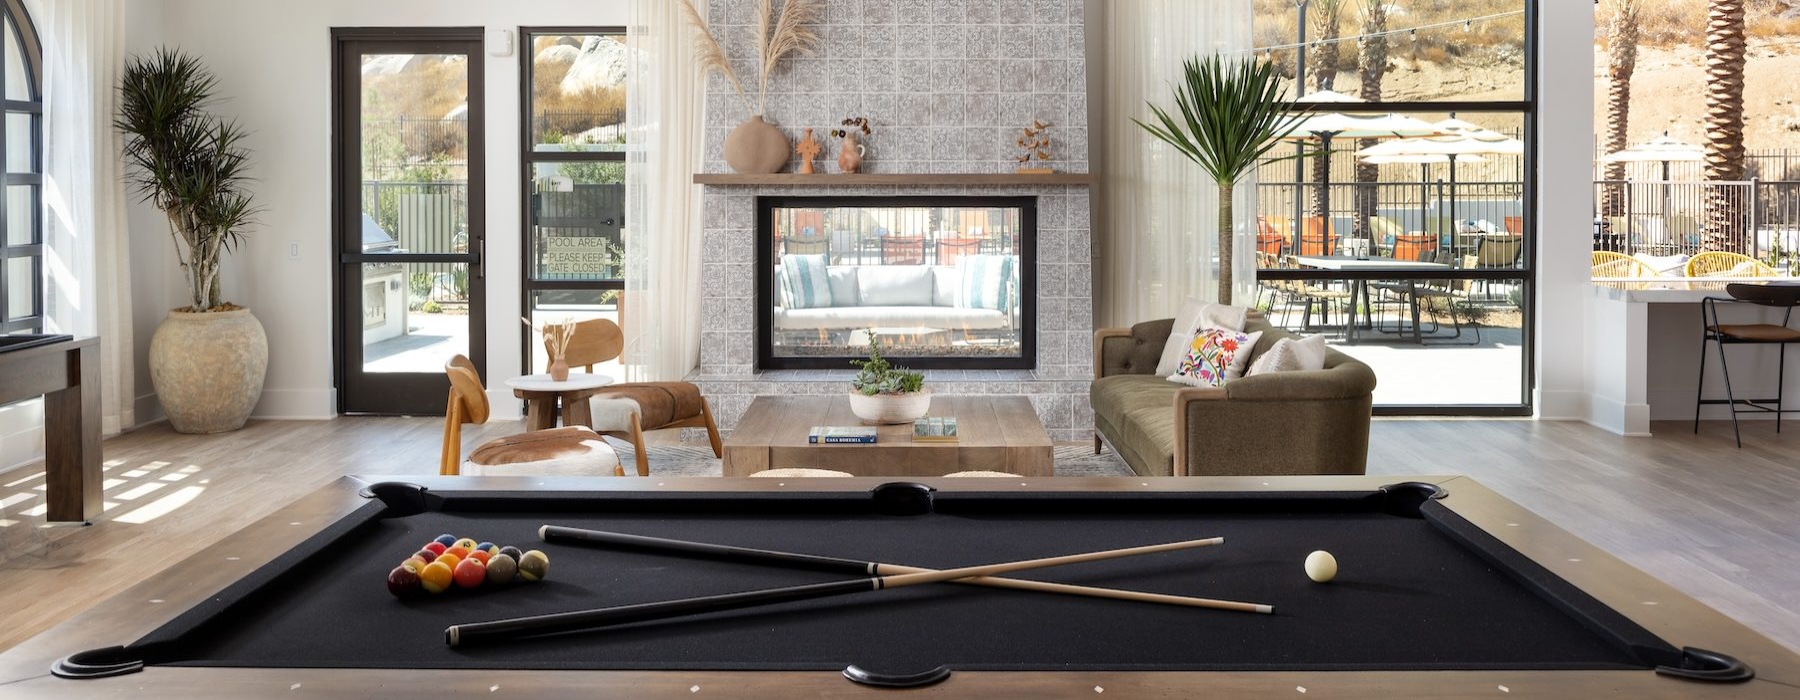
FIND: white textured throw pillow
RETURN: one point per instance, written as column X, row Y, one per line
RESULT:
column 1288, row 355
column 1196, row 316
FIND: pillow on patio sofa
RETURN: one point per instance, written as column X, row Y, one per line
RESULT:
column 1194, row 316
column 987, row 281
column 894, row 285
column 1215, row 356
column 803, row 282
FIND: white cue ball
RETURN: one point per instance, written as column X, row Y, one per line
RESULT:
column 1321, row 566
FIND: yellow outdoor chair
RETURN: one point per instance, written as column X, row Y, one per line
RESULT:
column 1722, row 264
column 1611, row 265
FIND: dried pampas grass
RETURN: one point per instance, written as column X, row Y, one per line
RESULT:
column 778, row 35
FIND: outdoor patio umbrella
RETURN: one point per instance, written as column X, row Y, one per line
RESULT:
column 1663, row 149
column 1328, row 126
column 1454, row 147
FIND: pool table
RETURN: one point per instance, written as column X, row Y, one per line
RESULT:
column 1446, row 589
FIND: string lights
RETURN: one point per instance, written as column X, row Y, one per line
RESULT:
column 1468, row 25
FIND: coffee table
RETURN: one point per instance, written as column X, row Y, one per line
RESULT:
column 997, row 433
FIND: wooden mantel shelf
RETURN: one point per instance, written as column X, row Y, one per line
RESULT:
column 862, row 179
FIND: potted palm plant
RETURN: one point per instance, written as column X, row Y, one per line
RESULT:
column 207, row 359
column 1232, row 113
column 884, row 393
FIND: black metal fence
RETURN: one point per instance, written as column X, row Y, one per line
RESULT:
column 1663, row 217
column 1433, row 207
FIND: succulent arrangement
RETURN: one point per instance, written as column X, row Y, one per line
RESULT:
column 878, row 376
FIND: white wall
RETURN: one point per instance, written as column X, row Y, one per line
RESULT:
column 1565, row 142
column 273, row 60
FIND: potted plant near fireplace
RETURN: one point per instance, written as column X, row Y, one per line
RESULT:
column 756, row 146
column 207, row 359
column 883, row 393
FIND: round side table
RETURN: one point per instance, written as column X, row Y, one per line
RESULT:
column 544, row 397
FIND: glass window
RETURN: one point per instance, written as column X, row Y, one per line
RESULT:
column 1408, row 242
column 21, row 244
column 574, row 152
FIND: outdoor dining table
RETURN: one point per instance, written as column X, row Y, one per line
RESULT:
column 1359, row 288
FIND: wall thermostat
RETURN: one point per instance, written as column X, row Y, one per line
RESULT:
column 500, row 42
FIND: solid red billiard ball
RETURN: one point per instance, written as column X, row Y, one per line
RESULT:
column 404, row 582
column 459, row 551
column 436, row 547
column 470, row 573
column 481, row 555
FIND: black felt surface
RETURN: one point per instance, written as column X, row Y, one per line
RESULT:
column 1409, row 595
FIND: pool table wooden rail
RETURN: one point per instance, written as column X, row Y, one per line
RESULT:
column 24, row 670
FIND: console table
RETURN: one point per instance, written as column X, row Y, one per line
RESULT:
column 67, row 374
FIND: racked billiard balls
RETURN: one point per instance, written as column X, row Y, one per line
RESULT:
column 465, row 543
column 445, row 540
column 513, row 552
column 486, row 547
column 436, row 547
column 480, row 555
column 470, row 573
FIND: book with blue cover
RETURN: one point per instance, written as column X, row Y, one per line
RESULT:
column 841, row 435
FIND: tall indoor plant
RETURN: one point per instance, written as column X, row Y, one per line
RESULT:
column 207, row 359
column 1232, row 113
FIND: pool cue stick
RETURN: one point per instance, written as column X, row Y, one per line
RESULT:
column 497, row 630
column 557, row 534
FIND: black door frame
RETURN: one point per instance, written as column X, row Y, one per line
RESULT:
column 398, row 393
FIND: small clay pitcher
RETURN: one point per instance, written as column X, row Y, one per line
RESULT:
column 559, row 370
column 850, row 155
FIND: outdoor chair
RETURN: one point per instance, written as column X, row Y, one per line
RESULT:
column 1723, row 264
column 1515, row 225
column 1719, row 334
column 1268, row 240
column 903, row 250
column 1613, row 265
column 626, row 411
column 949, row 250
column 568, row 451
column 1316, row 239
column 806, row 246
column 1415, row 247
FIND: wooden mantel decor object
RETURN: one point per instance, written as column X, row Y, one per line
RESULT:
column 863, row 179
column 67, row 375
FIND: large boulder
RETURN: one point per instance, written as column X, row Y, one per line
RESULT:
column 600, row 65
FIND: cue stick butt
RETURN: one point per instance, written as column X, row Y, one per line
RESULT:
column 542, row 530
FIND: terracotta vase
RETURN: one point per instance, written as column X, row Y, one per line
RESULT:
column 850, row 155
column 756, row 147
column 559, row 370
column 208, row 369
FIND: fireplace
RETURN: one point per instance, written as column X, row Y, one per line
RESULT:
column 938, row 282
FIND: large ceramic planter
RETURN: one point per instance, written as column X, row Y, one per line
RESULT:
column 889, row 409
column 208, row 369
column 756, row 147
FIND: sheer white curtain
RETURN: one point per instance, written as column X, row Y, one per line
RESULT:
column 1157, row 226
column 661, row 313
column 84, row 196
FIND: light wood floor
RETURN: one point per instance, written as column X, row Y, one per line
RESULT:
column 1717, row 522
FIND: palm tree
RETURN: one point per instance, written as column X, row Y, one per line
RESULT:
column 1724, row 120
column 1622, row 46
column 1327, row 20
column 1371, row 64
column 1231, row 114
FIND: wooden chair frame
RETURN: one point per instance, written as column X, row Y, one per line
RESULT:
column 600, row 340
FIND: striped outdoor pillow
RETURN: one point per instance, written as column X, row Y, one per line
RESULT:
column 804, row 282
column 987, row 281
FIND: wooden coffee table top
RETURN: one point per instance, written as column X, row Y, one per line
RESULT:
column 997, row 433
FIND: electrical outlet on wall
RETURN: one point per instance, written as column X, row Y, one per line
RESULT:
column 293, row 250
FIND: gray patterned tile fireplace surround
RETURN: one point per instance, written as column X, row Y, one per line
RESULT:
column 948, row 84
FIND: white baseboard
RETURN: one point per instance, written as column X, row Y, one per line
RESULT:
column 21, row 434
column 1561, row 405
column 1629, row 420
column 147, row 409
column 296, row 404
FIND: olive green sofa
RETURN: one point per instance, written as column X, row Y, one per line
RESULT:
column 1301, row 422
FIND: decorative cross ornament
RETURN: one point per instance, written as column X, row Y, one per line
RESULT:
column 808, row 149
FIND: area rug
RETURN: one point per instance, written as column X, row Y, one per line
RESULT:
column 694, row 460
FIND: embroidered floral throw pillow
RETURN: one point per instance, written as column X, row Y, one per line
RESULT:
column 1214, row 356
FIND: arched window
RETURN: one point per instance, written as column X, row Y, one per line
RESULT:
column 21, row 149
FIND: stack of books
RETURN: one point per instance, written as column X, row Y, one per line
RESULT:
column 930, row 429
column 841, row 435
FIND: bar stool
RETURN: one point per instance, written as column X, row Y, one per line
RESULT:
column 1780, row 296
